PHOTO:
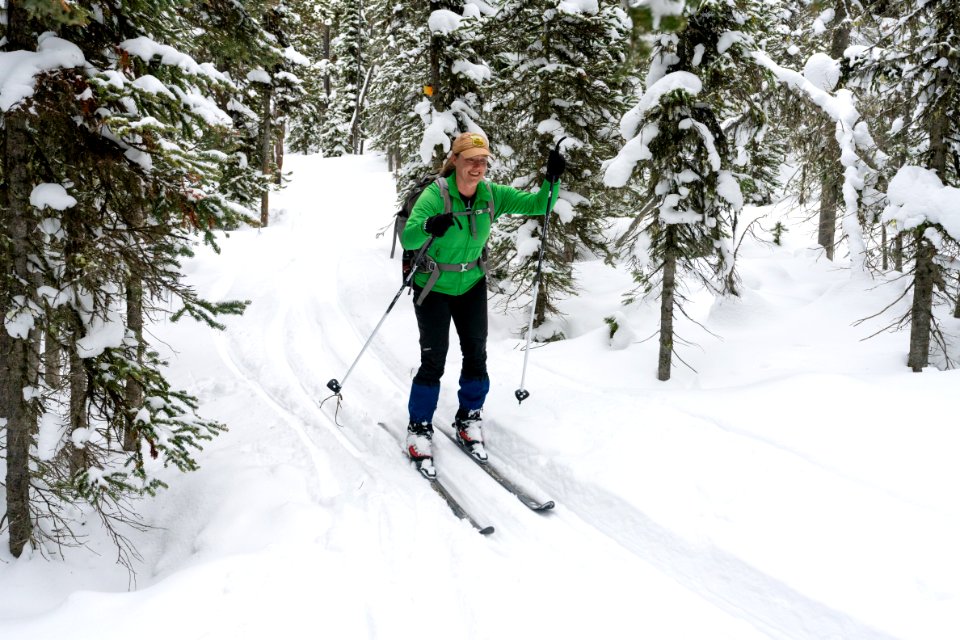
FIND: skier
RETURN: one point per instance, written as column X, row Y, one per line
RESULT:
column 452, row 285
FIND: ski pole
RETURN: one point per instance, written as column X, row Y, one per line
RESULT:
column 522, row 394
column 334, row 384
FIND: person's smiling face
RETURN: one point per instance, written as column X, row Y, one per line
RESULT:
column 470, row 171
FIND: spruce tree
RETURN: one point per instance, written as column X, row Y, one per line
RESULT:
column 109, row 179
column 692, row 164
column 312, row 39
column 342, row 131
column 401, row 38
column 559, row 74
column 432, row 79
column 916, row 62
column 816, row 37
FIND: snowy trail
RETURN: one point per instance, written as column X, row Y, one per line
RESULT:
column 296, row 358
column 291, row 380
column 775, row 493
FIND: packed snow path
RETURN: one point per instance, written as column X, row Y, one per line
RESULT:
column 724, row 504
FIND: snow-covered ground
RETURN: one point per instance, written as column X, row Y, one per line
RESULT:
column 800, row 483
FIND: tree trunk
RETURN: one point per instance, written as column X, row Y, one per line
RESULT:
column 266, row 135
column 927, row 271
column 134, row 390
column 435, row 48
column 885, row 250
column 898, row 252
column 278, row 151
column 829, row 188
column 921, row 313
column 52, row 355
column 956, row 309
column 18, row 225
column 326, row 56
column 79, row 418
column 832, row 179
column 666, row 307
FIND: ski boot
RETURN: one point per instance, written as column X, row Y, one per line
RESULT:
column 469, row 428
column 420, row 447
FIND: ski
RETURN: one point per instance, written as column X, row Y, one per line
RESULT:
column 528, row 501
column 444, row 493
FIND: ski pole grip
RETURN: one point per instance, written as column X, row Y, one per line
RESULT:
column 334, row 386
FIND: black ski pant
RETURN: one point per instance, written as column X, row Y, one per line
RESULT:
column 469, row 314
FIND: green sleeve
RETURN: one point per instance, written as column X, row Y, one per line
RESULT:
column 511, row 201
column 430, row 203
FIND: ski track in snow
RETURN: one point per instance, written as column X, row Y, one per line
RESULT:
column 675, row 518
column 295, row 387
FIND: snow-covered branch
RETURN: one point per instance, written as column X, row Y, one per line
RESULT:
column 851, row 133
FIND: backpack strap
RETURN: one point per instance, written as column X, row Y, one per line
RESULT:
column 399, row 223
column 471, row 214
column 492, row 204
column 401, row 216
column 441, row 182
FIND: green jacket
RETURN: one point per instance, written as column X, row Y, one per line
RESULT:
column 458, row 246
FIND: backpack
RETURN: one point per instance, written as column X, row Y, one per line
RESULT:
column 401, row 217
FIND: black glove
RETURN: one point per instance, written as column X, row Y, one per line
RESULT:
column 556, row 164
column 438, row 225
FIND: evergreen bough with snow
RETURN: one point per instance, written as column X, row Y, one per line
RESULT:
column 558, row 74
column 110, row 180
column 692, row 164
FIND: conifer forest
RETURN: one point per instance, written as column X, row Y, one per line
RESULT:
column 135, row 132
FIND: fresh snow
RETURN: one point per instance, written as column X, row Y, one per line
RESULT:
column 146, row 49
column 683, row 80
column 259, row 75
column 618, row 171
column 579, row 7
column 917, row 196
column 19, row 69
column 444, row 21
column 152, row 84
column 479, row 73
column 822, row 71
column 797, row 481
column 51, row 195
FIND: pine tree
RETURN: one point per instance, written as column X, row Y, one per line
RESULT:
column 312, row 39
column 430, row 84
column 917, row 62
column 342, row 131
column 558, row 75
column 692, row 165
column 109, row 177
column 401, row 38
column 818, row 35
